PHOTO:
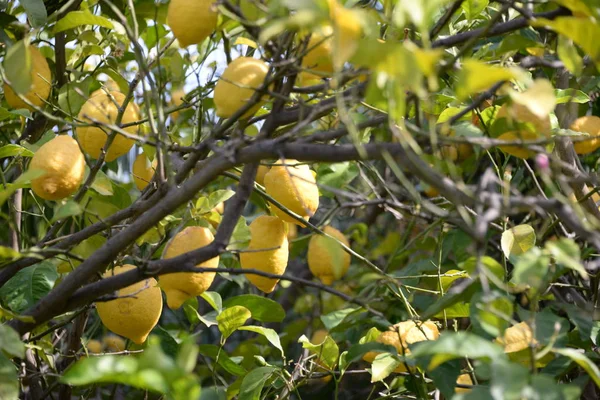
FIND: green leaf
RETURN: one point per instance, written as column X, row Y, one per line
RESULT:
column 18, row 67
column 508, row 378
column 254, row 382
column 69, row 209
column 102, row 184
column 451, row 298
column 262, row 308
column 12, row 150
column 28, row 286
column 205, row 204
column 270, row 334
column 473, row 8
column 453, row 345
column 11, row 343
column 476, row 76
column 566, row 253
column 21, row 182
column 588, row 365
column 491, row 313
column 328, row 351
column 8, row 254
column 215, row 301
column 531, row 269
column 337, row 176
column 210, row 350
column 383, row 365
column 231, row 319
column 115, row 369
column 357, row 351
column 568, row 54
column 9, row 380
column 584, row 32
column 571, row 96
column 36, row 12
column 335, row 318
column 187, row 356
column 79, row 18
column 517, row 240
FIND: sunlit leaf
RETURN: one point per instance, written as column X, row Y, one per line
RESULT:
column 477, row 76
column 518, row 240
column 327, row 352
column 262, row 308
column 270, row 334
column 79, row 18
column 231, row 319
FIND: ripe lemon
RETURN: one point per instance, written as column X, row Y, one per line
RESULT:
column 519, row 118
column 327, row 259
column 192, row 21
column 64, row 165
column 143, row 171
column 403, row 334
column 591, row 125
column 516, row 338
column 294, row 186
column 176, row 100
column 94, row 347
column 181, row 286
column 136, row 311
column 237, row 85
column 101, row 107
column 319, row 50
column 268, row 251
column 260, row 174
column 347, row 31
column 114, row 343
column 517, row 150
column 455, row 152
column 41, row 79
column 464, row 379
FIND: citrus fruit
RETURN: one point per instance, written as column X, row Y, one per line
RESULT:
column 143, row 171
column 94, row 347
column 114, row 343
column 267, row 252
column 192, row 21
column 136, row 310
column 41, row 84
column 238, row 84
column 463, row 379
column 516, row 338
column 591, row 125
column 347, row 31
column 64, row 167
column 319, row 50
column 294, row 186
column 519, row 151
column 260, row 174
column 327, row 259
column 180, row 286
column 305, row 79
column 102, row 108
column 176, row 100
column 519, row 118
column 403, row 334
column 455, row 152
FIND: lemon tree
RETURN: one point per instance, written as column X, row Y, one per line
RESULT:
column 275, row 199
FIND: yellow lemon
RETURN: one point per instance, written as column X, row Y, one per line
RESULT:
column 237, row 85
column 591, row 125
column 402, row 334
column 113, row 343
column 294, row 186
column 176, row 100
column 516, row 338
column 347, row 31
column 455, row 152
column 520, row 118
column 102, row 108
column 136, row 310
column 268, row 251
column 519, row 151
column 41, row 79
column 143, row 171
column 181, row 286
column 192, row 21
column 94, row 347
column 64, row 167
column 319, row 50
column 464, row 379
column 305, row 79
column 327, row 259
column 260, row 174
